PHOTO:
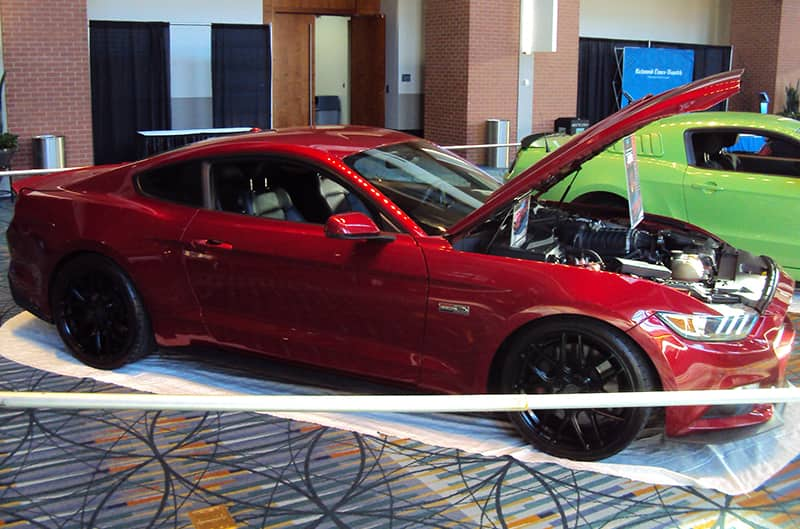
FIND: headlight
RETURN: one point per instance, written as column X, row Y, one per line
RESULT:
column 708, row 328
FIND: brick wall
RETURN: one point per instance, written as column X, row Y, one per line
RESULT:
column 755, row 31
column 555, row 75
column 788, row 63
column 493, row 68
column 447, row 49
column 471, row 65
column 46, row 57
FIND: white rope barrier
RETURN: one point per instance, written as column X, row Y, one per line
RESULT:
column 481, row 146
column 32, row 172
column 391, row 403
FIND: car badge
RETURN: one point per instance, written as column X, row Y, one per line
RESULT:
column 452, row 308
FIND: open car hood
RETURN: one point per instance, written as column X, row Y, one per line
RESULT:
column 698, row 95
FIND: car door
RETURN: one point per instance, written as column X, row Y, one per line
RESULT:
column 275, row 283
column 754, row 205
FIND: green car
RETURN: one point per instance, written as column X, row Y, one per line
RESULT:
column 735, row 174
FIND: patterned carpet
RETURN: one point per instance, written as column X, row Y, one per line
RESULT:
column 64, row 469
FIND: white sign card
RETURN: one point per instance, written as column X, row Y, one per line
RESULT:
column 635, row 207
column 519, row 221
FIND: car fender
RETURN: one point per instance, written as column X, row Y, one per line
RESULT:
column 533, row 315
column 478, row 301
column 539, row 315
column 140, row 235
column 661, row 182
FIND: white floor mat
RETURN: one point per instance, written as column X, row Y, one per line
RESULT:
column 733, row 467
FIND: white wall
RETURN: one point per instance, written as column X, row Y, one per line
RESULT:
column 404, row 56
column 332, row 60
column 411, row 52
column 190, row 44
column 178, row 11
column 690, row 21
column 190, row 61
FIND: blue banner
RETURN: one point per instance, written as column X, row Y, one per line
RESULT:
column 654, row 70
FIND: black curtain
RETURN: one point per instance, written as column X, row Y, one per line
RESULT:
column 241, row 75
column 598, row 78
column 130, row 85
column 599, row 81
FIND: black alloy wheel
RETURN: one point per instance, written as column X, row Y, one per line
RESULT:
column 577, row 355
column 99, row 314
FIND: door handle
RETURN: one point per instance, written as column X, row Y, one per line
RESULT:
column 212, row 243
column 708, row 187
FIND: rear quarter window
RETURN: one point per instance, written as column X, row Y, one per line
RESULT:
column 180, row 183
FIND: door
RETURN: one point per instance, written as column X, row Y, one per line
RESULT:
column 368, row 70
column 754, row 206
column 293, row 70
column 284, row 288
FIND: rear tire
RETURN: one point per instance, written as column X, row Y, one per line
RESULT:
column 577, row 355
column 99, row 313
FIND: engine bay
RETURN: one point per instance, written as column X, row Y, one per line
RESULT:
column 703, row 267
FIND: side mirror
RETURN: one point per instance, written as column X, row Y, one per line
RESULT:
column 354, row 226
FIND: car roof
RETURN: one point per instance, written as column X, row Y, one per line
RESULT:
column 339, row 141
column 751, row 120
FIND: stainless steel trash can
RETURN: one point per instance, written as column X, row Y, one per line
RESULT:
column 48, row 152
column 497, row 132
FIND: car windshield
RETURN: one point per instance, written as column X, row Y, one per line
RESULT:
column 434, row 187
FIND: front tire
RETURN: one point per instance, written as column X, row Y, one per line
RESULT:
column 577, row 355
column 99, row 314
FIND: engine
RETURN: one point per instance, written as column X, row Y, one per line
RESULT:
column 693, row 262
column 662, row 255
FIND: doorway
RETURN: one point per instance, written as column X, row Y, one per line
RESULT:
column 300, row 64
column 332, row 69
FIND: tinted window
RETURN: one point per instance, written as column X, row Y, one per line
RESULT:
column 177, row 183
column 281, row 189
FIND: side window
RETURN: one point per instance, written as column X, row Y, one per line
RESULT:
column 180, row 183
column 232, row 186
column 746, row 151
column 281, row 189
column 711, row 149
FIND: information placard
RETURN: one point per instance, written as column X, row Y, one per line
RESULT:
column 635, row 206
column 519, row 221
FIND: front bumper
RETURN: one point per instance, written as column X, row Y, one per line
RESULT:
column 759, row 361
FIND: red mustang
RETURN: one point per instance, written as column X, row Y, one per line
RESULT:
column 376, row 253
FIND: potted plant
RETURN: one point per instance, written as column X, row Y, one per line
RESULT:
column 792, row 106
column 8, row 146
